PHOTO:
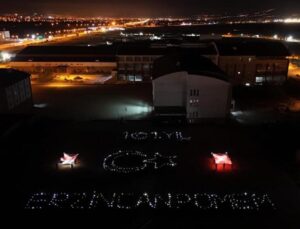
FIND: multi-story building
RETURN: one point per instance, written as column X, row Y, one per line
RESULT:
column 253, row 61
column 15, row 91
column 135, row 62
column 189, row 86
column 245, row 61
column 4, row 35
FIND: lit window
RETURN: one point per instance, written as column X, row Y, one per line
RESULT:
column 259, row 79
column 138, row 78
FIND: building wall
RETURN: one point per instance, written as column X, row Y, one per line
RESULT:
column 16, row 95
column 170, row 90
column 207, row 97
column 213, row 58
column 254, row 70
column 4, row 35
column 271, row 71
column 202, row 96
column 42, row 68
column 135, row 67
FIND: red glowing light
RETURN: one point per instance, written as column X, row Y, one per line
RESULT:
column 222, row 162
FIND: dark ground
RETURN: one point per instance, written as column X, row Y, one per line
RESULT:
column 263, row 159
column 264, row 156
column 93, row 102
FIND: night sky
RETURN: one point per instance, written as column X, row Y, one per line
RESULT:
column 145, row 7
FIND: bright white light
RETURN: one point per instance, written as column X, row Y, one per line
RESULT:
column 292, row 20
column 290, row 39
column 236, row 113
column 222, row 159
column 68, row 159
column 275, row 36
column 33, row 36
column 5, row 56
column 41, row 105
column 185, row 24
column 155, row 38
column 247, row 84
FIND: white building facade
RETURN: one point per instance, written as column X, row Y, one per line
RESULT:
column 192, row 87
column 203, row 97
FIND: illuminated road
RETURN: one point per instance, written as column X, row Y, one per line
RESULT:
column 19, row 44
column 137, row 23
column 14, row 46
column 258, row 36
column 294, row 71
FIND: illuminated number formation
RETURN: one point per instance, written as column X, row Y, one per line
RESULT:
column 96, row 200
column 155, row 135
column 122, row 161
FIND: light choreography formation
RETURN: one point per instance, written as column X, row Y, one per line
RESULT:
column 203, row 201
column 113, row 162
column 69, row 159
column 222, row 160
column 156, row 136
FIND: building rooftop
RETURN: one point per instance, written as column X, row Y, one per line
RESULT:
column 189, row 60
column 11, row 76
column 162, row 48
column 103, row 53
column 250, row 47
column 140, row 49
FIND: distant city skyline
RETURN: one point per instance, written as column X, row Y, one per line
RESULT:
column 147, row 8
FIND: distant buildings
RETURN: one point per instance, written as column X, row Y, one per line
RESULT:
column 246, row 61
column 15, row 91
column 4, row 35
column 47, row 61
column 189, row 86
column 253, row 61
column 135, row 62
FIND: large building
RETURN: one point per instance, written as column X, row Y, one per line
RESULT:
column 253, row 61
column 63, row 60
column 4, row 35
column 245, row 61
column 15, row 91
column 135, row 62
column 189, row 86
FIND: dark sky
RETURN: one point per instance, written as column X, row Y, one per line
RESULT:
column 144, row 7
